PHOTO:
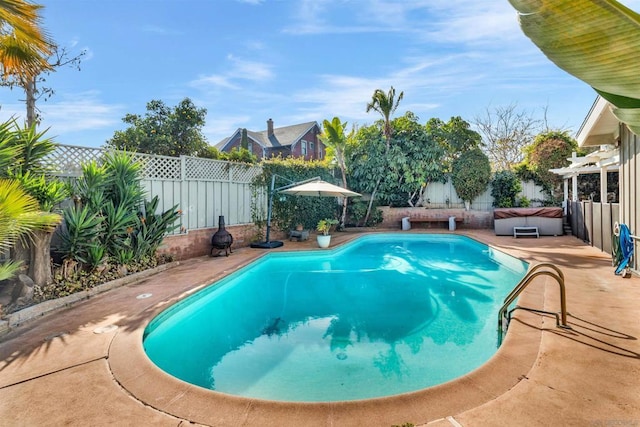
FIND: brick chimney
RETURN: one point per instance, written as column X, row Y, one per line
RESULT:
column 269, row 127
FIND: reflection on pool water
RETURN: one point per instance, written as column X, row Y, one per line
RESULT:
column 383, row 315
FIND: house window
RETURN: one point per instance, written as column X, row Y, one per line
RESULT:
column 311, row 147
column 250, row 147
column 303, row 147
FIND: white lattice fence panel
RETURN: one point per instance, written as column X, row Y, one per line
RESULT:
column 244, row 173
column 67, row 160
column 159, row 167
column 206, row 169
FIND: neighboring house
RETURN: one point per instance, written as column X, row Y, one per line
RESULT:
column 290, row 141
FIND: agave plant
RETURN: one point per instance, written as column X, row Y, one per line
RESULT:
column 153, row 227
column 47, row 192
column 123, row 180
column 89, row 188
column 117, row 225
column 81, row 231
column 96, row 255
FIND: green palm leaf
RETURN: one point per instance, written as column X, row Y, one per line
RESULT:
column 597, row 41
column 20, row 214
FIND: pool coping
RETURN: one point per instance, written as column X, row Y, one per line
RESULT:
column 135, row 372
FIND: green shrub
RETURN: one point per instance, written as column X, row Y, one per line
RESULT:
column 471, row 173
column 288, row 211
column 357, row 210
column 505, row 187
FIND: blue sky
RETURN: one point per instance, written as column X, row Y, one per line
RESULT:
column 246, row 61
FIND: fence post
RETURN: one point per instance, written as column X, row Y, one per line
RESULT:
column 184, row 198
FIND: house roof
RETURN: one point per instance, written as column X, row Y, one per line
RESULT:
column 600, row 127
column 282, row 137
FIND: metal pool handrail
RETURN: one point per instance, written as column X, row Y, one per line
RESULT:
column 561, row 321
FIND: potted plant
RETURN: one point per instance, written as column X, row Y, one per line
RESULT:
column 323, row 227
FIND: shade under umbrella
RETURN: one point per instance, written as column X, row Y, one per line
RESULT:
column 319, row 189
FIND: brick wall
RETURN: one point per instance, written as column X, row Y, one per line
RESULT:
column 197, row 243
column 392, row 217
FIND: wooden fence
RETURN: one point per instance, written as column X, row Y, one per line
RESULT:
column 594, row 222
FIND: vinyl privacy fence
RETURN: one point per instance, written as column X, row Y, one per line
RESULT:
column 203, row 189
column 443, row 195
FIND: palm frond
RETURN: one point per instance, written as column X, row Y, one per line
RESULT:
column 20, row 214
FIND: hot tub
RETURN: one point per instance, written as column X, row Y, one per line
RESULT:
column 548, row 220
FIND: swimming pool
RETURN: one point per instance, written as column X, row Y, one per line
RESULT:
column 383, row 315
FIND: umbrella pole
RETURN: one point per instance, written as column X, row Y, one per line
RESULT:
column 267, row 244
column 270, row 207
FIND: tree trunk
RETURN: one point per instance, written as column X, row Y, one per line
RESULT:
column 343, row 217
column 373, row 197
column 40, row 263
column 30, row 92
column 21, row 252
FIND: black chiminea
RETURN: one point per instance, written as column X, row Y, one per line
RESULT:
column 221, row 239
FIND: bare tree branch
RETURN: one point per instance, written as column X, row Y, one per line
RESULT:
column 505, row 132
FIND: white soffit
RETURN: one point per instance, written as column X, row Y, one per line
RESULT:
column 600, row 127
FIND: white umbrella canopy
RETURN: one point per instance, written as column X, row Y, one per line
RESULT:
column 319, row 189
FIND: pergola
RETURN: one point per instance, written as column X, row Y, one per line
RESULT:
column 606, row 159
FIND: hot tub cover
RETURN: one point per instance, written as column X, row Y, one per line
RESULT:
column 502, row 213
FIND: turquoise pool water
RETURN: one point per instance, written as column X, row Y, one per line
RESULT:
column 383, row 315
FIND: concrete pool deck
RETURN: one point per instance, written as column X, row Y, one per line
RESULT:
column 72, row 368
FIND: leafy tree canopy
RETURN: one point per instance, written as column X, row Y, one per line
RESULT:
column 471, row 174
column 366, row 159
column 413, row 160
column 163, row 130
column 549, row 150
column 454, row 136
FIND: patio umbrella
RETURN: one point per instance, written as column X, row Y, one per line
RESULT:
column 314, row 187
column 319, row 189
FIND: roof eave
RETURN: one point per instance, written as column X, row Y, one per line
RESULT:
column 600, row 127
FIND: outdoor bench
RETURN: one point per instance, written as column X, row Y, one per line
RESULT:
column 525, row 231
column 433, row 220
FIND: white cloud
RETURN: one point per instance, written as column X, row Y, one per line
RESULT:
column 156, row 29
column 226, row 125
column 236, row 71
column 79, row 112
column 249, row 70
column 214, row 80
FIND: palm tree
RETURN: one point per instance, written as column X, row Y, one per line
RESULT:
column 19, row 216
column 385, row 104
column 24, row 48
column 333, row 137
